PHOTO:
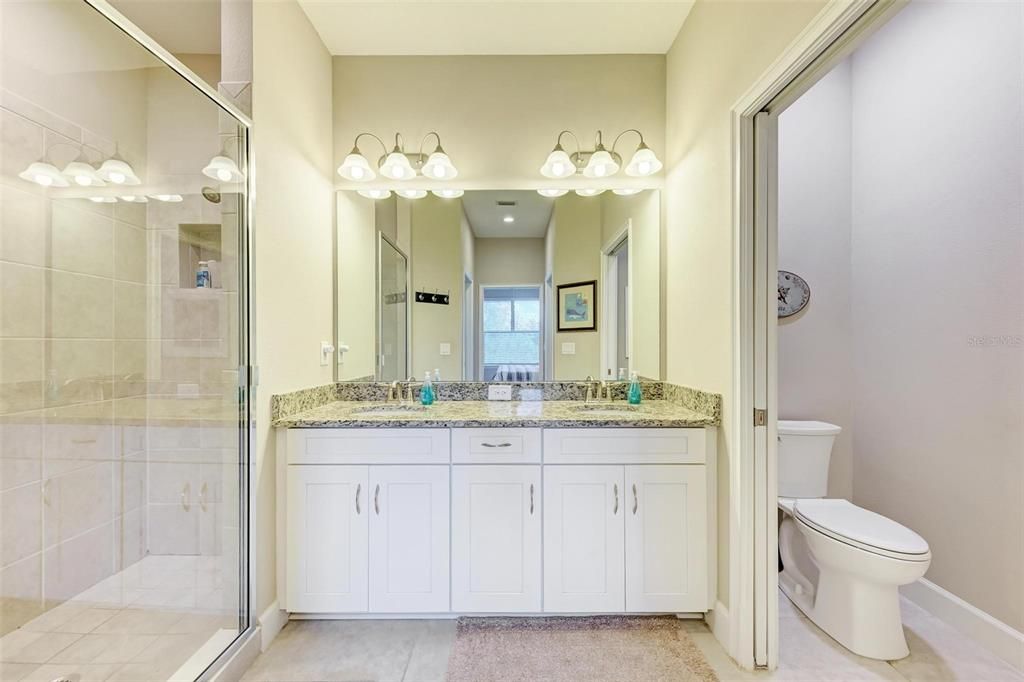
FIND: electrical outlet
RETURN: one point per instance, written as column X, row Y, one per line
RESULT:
column 499, row 392
column 568, row 348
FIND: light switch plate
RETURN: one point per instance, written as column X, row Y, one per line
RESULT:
column 568, row 348
column 446, row 349
column 499, row 392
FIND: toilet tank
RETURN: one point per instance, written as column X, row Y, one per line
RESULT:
column 805, row 448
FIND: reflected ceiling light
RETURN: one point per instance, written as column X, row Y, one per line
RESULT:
column 589, row 192
column 399, row 164
column 508, row 219
column 169, row 198
column 224, row 169
column 411, row 193
column 375, row 193
column 599, row 162
column 103, row 200
column 448, row 193
column 627, row 191
column 552, row 193
column 83, row 174
column 44, row 174
column 134, row 198
column 117, row 171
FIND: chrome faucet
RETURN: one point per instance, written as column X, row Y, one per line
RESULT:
column 409, row 385
column 394, row 392
column 604, row 390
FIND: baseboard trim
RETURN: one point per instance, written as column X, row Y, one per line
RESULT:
column 240, row 660
column 271, row 621
column 987, row 631
column 718, row 621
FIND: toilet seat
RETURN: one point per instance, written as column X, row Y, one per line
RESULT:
column 851, row 525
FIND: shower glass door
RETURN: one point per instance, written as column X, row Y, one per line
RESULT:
column 124, row 417
column 392, row 312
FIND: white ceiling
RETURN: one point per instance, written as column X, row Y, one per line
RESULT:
column 531, row 212
column 496, row 27
column 180, row 26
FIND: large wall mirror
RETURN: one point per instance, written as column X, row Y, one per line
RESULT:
column 499, row 285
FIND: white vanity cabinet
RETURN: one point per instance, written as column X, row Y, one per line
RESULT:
column 509, row 520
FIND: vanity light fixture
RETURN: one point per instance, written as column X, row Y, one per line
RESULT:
column 103, row 200
column 44, row 174
column 398, row 164
column 447, row 193
column 168, row 198
column 627, row 191
column 375, row 193
column 599, row 162
column 82, row 173
column 135, row 198
column 411, row 193
column 552, row 193
column 117, row 171
column 224, row 169
column 589, row 192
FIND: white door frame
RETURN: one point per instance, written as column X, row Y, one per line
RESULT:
column 479, row 331
column 608, row 320
column 750, row 630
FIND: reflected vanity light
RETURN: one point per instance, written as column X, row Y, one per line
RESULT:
column 134, row 199
column 375, row 193
column 447, row 193
column 552, row 193
column 589, row 192
column 399, row 164
column 44, row 174
column 83, row 174
column 411, row 193
column 599, row 162
column 117, row 171
column 223, row 169
column 169, row 198
column 627, row 191
column 103, row 200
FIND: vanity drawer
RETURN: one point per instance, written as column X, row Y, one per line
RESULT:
column 496, row 446
column 368, row 446
column 625, row 446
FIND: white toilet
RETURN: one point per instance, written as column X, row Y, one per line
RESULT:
column 842, row 565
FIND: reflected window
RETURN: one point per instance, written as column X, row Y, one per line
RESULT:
column 511, row 334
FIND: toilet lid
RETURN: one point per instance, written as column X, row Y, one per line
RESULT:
column 849, row 523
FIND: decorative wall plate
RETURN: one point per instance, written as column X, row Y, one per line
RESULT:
column 794, row 293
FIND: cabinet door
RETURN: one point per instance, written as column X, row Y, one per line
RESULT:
column 666, row 538
column 409, row 539
column 496, row 539
column 583, row 539
column 327, row 538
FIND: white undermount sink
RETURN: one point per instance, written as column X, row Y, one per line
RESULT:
column 611, row 409
column 388, row 410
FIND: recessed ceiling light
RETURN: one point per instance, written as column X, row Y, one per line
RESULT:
column 508, row 219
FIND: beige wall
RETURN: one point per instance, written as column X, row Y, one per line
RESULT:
column 498, row 116
column 294, row 220
column 509, row 261
column 436, row 264
column 577, row 258
column 357, row 285
column 720, row 52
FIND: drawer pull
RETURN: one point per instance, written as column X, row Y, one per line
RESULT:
column 636, row 500
column 376, row 499
column 497, row 445
column 359, row 489
column 531, row 499
column 615, row 509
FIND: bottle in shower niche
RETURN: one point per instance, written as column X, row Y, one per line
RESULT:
column 203, row 275
column 635, row 394
column 427, row 392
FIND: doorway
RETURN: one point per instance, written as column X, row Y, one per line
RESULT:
column 511, row 333
column 616, row 317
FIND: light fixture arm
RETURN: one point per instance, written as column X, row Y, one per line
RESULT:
column 558, row 140
column 426, row 137
column 643, row 145
column 355, row 143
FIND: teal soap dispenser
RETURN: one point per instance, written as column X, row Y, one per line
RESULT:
column 427, row 392
column 635, row 394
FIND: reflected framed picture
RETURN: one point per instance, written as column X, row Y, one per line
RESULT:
column 577, row 306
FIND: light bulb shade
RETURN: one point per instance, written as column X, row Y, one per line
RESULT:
column 643, row 163
column 223, row 169
column 552, row 193
column 601, row 165
column 411, row 193
column 558, row 165
column 83, row 175
column 103, row 200
column 356, row 167
column 589, row 192
column 397, row 167
column 439, row 167
column 44, row 174
column 118, row 172
column 448, row 193
column 627, row 191
column 169, row 198
column 375, row 193
column 134, row 198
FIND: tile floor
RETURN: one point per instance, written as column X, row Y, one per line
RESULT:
column 139, row 625
column 417, row 651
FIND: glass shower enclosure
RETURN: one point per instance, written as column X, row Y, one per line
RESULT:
column 124, row 348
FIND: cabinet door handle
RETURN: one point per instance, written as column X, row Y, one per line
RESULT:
column 202, row 497
column 615, row 509
column 636, row 500
column 376, row 499
column 497, row 445
column 359, row 489
column 531, row 499
column 186, row 497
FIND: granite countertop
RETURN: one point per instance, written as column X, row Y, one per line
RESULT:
column 499, row 414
